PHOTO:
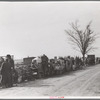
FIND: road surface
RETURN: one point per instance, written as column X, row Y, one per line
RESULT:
column 76, row 83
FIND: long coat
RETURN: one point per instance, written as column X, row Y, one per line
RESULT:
column 6, row 74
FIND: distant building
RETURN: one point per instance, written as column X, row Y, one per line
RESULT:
column 28, row 60
column 18, row 61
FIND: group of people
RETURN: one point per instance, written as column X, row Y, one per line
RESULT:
column 59, row 65
column 6, row 71
column 41, row 64
column 56, row 65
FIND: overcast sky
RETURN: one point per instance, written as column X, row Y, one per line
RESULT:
column 36, row 28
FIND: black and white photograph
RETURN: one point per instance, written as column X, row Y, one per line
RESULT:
column 50, row 49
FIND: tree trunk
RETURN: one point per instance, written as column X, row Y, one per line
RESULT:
column 83, row 60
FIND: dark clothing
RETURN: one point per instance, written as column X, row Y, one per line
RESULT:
column 6, row 74
column 15, row 77
column 11, row 62
column 44, row 63
column 44, row 67
column 44, row 58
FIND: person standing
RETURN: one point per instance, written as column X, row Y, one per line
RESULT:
column 11, row 64
column 1, row 62
column 6, row 74
column 44, row 63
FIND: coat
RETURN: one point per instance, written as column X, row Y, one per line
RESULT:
column 6, row 74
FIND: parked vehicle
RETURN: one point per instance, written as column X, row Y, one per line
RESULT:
column 91, row 59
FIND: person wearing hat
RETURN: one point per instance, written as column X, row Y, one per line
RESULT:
column 6, row 74
column 11, row 63
column 44, row 60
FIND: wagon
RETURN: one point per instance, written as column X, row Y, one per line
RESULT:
column 24, row 73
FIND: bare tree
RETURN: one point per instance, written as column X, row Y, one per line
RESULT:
column 82, row 39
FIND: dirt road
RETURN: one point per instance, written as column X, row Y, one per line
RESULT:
column 77, row 83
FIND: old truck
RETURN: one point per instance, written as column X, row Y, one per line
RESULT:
column 91, row 59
